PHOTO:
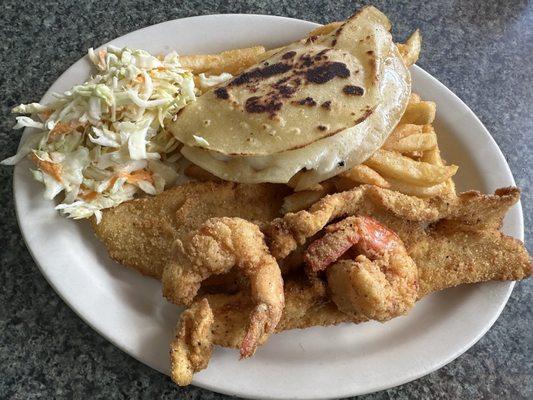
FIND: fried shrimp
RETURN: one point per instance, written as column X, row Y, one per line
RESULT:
column 215, row 248
column 191, row 349
column 380, row 283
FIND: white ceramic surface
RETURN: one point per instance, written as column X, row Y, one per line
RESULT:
column 128, row 309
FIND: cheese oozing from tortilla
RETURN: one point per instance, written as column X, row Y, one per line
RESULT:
column 316, row 108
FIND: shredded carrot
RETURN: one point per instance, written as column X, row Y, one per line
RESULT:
column 50, row 168
column 139, row 78
column 101, row 56
column 45, row 115
column 139, row 175
column 86, row 193
column 62, row 128
column 161, row 68
column 111, row 182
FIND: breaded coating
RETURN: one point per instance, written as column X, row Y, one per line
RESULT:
column 408, row 216
column 191, row 349
column 215, row 248
column 140, row 233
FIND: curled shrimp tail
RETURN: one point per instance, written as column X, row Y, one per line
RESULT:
column 218, row 246
column 380, row 283
column 257, row 327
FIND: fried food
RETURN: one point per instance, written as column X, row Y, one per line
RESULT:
column 215, row 248
column 421, row 113
column 459, row 247
column 402, row 162
column 448, row 242
column 380, row 281
column 402, row 168
column 408, row 216
column 306, row 198
column 230, row 61
column 410, row 50
column 447, row 258
column 140, row 233
column 304, row 111
column 191, row 349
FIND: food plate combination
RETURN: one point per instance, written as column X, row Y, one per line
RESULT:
column 296, row 182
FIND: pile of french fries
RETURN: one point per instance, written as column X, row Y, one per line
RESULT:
column 408, row 162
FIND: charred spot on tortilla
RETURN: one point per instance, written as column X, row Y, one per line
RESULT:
column 286, row 91
column 289, row 54
column 367, row 114
column 322, row 54
column 221, row 93
column 353, row 90
column 263, row 104
column 308, row 101
column 311, row 39
column 322, row 128
column 326, row 72
column 272, row 94
column 260, row 73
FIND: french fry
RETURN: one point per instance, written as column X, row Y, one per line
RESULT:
column 419, row 191
column 404, row 169
column 360, row 174
column 325, row 29
column 410, row 50
column 401, row 131
column 231, row 61
column 432, row 156
column 413, row 143
column 422, row 113
column 195, row 172
column 414, row 98
column 306, row 198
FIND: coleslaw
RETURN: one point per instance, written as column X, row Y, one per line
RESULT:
column 104, row 141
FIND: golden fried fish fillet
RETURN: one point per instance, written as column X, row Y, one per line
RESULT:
column 453, row 241
column 140, row 233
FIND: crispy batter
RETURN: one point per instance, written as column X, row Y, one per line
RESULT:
column 406, row 215
column 217, row 246
column 192, row 346
column 140, row 233
column 447, row 258
column 381, row 282
column 306, row 304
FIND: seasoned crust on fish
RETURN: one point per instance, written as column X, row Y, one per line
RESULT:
column 140, row 233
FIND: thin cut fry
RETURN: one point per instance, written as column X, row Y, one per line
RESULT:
column 432, row 157
column 417, row 142
column 401, row 131
column 422, row 113
column 325, row 29
column 231, row 61
column 304, row 199
column 414, row 98
column 410, row 50
column 419, row 191
column 395, row 165
column 360, row 174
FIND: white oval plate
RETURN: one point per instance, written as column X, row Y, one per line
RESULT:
column 321, row 362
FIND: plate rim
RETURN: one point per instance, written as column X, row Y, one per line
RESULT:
column 244, row 392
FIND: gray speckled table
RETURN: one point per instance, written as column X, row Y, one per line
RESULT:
column 481, row 51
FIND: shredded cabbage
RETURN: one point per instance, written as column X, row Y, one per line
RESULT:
column 104, row 141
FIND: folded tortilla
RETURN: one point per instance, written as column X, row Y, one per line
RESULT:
column 316, row 108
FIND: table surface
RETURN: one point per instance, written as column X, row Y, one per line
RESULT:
column 482, row 51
